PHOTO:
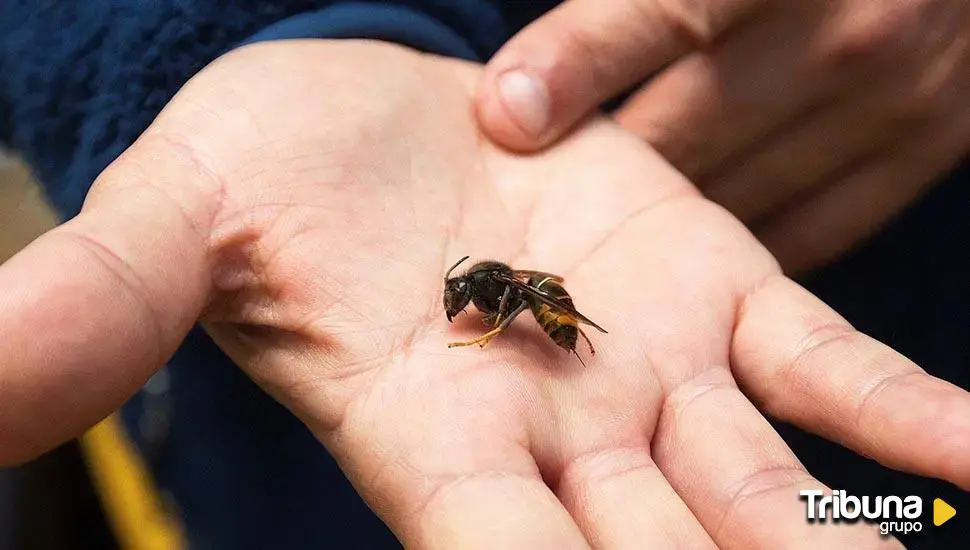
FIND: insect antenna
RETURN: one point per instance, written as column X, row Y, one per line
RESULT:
column 448, row 274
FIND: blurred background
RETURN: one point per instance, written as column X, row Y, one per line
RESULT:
column 49, row 503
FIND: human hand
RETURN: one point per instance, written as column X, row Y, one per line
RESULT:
column 311, row 233
column 813, row 122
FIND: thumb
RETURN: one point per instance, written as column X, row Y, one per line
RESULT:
column 91, row 309
column 584, row 52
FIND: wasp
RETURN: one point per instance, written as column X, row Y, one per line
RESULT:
column 502, row 293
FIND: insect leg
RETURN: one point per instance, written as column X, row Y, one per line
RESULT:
column 485, row 338
column 502, row 306
column 592, row 351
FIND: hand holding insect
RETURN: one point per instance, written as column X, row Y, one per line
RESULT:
column 317, row 266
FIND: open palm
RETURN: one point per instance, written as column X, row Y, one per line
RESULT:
column 311, row 232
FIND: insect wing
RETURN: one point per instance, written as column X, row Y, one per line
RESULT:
column 549, row 300
column 526, row 273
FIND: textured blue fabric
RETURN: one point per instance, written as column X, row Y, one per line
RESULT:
column 384, row 22
column 83, row 78
column 80, row 79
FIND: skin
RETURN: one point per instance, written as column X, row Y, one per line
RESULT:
column 236, row 208
column 813, row 122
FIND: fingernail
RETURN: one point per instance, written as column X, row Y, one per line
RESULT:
column 526, row 99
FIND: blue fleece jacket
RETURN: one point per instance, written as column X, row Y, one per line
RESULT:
column 81, row 79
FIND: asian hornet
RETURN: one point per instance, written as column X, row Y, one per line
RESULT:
column 502, row 293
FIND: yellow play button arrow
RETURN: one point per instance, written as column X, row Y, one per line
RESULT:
column 942, row 512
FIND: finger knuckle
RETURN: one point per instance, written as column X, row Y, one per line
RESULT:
column 870, row 402
column 133, row 285
column 710, row 383
column 764, row 485
column 940, row 85
column 598, row 467
column 204, row 190
column 693, row 20
column 819, row 339
column 874, row 35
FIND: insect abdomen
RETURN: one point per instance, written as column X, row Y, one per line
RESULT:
column 557, row 324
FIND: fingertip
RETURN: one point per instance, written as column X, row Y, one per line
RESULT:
column 514, row 111
column 525, row 97
column 548, row 77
